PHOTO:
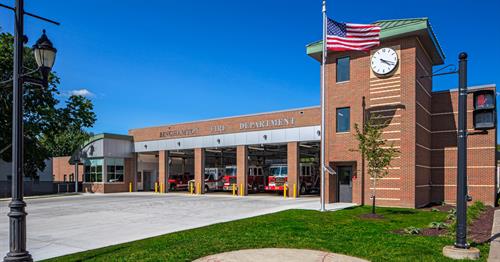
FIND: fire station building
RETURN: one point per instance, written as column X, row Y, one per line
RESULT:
column 419, row 122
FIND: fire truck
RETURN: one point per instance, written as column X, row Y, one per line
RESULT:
column 179, row 181
column 256, row 179
column 213, row 179
column 308, row 178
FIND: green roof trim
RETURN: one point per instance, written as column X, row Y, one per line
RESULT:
column 107, row 136
column 395, row 28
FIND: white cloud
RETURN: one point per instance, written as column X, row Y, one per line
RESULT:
column 81, row 92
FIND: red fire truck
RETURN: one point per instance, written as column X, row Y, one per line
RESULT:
column 256, row 179
column 213, row 179
column 308, row 178
column 179, row 181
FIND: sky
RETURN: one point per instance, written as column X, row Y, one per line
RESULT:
column 147, row 63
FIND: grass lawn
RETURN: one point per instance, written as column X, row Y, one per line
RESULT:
column 340, row 232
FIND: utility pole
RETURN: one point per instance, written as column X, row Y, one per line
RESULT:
column 461, row 250
column 461, row 236
column 45, row 56
column 17, row 214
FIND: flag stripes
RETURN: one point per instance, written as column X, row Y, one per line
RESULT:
column 348, row 36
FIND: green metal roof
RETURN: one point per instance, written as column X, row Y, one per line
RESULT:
column 399, row 28
column 107, row 136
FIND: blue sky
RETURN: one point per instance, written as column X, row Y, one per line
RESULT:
column 156, row 62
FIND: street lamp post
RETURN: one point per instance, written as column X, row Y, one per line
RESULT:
column 45, row 57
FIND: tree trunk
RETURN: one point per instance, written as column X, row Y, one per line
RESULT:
column 373, row 204
column 374, row 193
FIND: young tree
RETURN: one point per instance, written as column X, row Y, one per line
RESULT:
column 374, row 150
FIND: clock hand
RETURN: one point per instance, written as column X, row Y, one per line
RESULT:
column 387, row 62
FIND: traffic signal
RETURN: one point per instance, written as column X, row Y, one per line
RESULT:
column 484, row 115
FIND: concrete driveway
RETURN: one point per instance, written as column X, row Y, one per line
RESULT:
column 64, row 225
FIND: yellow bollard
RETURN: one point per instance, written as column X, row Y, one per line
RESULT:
column 191, row 188
column 284, row 190
column 234, row 189
column 241, row 189
column 130, row 187
column 156, row 187
column 294, row 190
column 199, row 189
column 162, row 188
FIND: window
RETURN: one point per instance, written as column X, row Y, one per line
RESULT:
column 343, row 69
column 343, row 119
column 93, row 170
column 114, row 170
column 284, row 171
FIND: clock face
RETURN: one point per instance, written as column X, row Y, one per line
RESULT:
column 384, row 61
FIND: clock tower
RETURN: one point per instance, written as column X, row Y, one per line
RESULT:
column 390, row 83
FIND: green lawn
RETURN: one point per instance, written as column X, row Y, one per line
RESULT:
column 340, row 232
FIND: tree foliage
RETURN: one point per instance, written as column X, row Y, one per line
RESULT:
column 374, row 149
column 47, row 122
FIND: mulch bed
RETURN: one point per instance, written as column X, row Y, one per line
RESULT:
column 442, row 208
column 434, row 232
column 371, row 216
column 425, row 232
column 480, row 229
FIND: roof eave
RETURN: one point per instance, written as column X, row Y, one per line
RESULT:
column 107, row 136
column 421, row 29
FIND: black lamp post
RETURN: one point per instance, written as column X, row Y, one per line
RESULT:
column 45, row 57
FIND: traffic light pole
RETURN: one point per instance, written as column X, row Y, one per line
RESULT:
column 461, row 234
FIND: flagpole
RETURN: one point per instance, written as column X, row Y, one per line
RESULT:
column 323, row 140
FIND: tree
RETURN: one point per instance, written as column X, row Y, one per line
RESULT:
column 70, row 135
column 377, row 154
column 45, row 118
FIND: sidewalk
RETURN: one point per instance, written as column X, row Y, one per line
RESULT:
column 278, row 255
column 495, row 239
column 44, row 196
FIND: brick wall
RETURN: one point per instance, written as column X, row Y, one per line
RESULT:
column 61, row 168
column 389, row 98
column 481, row 171
column 423, row 135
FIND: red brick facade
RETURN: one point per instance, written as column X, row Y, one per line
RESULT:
column 422, row 125
column 62, row 171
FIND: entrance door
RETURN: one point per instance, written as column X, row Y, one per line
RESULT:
column 147, row 180
column 345, row 183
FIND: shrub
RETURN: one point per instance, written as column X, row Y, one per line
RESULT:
column 412, row 230
column 438, row 225
column 452, row 214
column 473, row 212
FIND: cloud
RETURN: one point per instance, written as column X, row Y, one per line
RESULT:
column 81, row 92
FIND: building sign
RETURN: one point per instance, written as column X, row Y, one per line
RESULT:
column 233, row 127
column 281, row 122
column 177, row 133
column 217, row 129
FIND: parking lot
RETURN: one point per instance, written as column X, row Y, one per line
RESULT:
column 64, row 225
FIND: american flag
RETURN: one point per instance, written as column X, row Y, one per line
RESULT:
column 346, row 36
